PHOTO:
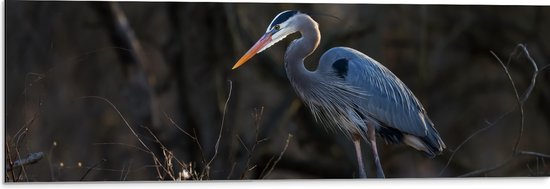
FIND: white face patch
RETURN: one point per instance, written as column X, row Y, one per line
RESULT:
column 286, row 28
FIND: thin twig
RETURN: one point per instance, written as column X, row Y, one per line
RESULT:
column 168, row 156
column 199, row 146
column 155, row 159
column 537, row 154
column 122, row 144
column 90, row 168
column 242, row 143
column 487, row 170
column 533, row 78
column 280, row 155
column 20, row 136
column 258, row 114
column 231, row 171
column 222, row 124
column 520, row 103
column 10, row 162
column 128, row 170
column 467, row 140
column 178, row 127
column 193, row 137
column 122, row 172
column 266, row 166
column 123, row 119
column 49, row 157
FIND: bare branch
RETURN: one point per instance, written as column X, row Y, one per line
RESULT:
column 280, row 155
column 199, row 146
column 535, row 74
column 465, row 141
column 534, row 154
column 93, row 167
column 155, row 159
column 122, row 144
column 222, row 124
column 242, row 143
column 231, row 171
column 125, row 171
column 193, row 137
column 258, row 113
column 487, row 170
column 520, row 103
column 123, row 119
column 10, row 162
column 179, row 128
column 526, row 94
column 267, row 166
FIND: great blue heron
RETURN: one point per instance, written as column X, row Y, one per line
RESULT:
column 350, row 91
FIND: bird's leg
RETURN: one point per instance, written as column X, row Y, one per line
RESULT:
column 357, row 143
column 371, row 135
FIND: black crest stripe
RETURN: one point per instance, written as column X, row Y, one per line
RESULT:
column 282, row 17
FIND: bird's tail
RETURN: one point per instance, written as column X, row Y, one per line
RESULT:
column 431, row 144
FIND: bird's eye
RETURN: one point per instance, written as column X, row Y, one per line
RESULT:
column 277, row 27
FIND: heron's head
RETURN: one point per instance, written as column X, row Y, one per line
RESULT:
column 284, row 24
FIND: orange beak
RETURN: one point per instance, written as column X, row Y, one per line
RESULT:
column 266, row 38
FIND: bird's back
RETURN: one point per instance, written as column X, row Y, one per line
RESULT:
column 386, row 101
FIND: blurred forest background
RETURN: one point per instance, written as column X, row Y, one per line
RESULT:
column 166, row 67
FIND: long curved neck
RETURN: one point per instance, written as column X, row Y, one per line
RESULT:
column 299, row 49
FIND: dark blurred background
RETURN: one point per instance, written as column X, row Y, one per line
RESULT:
column 166, row 67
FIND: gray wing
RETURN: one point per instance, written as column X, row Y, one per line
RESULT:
column 386, row 99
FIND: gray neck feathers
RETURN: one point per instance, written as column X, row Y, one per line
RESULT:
column 298, row 50
column 330, row 102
